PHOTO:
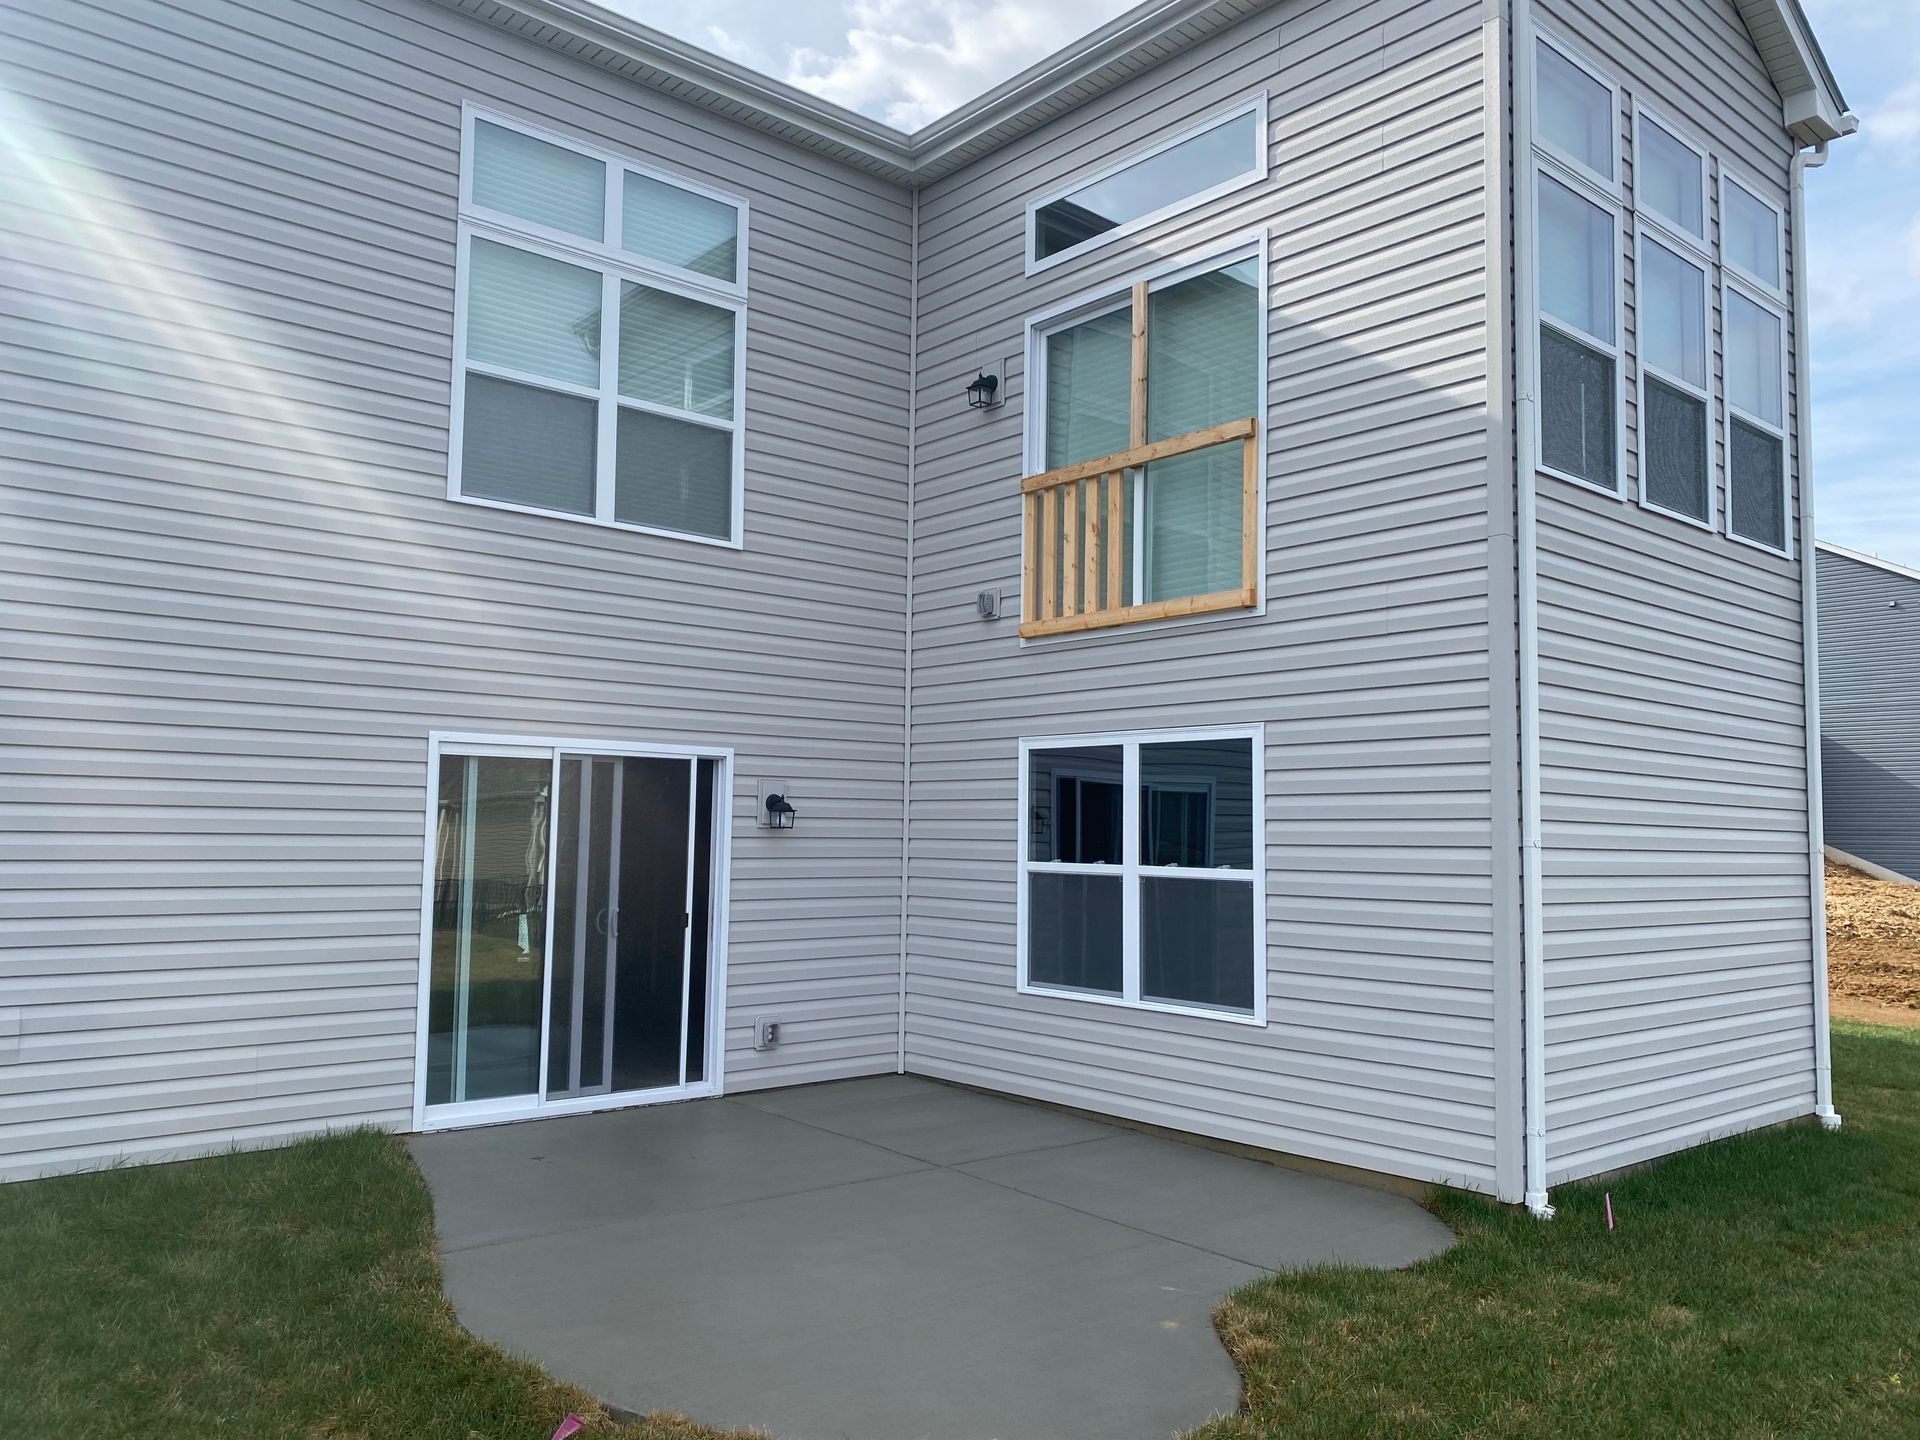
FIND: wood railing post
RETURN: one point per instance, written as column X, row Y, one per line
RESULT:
column 1070, row 549
column 1252, row 523
column 1049, row 561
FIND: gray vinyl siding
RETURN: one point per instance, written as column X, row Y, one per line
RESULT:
column 1870, row 710
column 1369, row 667
column 238, row 599
column 1672, row 731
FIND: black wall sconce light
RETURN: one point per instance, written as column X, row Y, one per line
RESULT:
column 780, row 815
column 983, row 393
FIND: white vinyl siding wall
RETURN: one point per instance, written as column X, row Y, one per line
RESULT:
column 1673, row 747
column 238, row 598
column 1368, row 667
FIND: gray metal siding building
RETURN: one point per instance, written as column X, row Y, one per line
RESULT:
column 1870, row 709
column 1534, row 896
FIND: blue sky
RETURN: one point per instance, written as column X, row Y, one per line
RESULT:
column 910, row 61
column 1863, row 223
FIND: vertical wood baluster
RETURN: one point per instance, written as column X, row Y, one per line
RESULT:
column 1049, row 551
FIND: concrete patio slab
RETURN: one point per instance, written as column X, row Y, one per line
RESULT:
column 887, row 1259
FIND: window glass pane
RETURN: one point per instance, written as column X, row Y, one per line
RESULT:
column 1073, row 931
column 1669, row 183
column 1089, row 373
column 1575, row 112
column 1196, row 804
column 680, row 227
column 1203, row 368
column 1198, row 163
column 1196, row 942
column 1756, row 485
column 527, row 445
column 1577, row 406
column 673, row 474
column 1676, row 446
column 676, row 352
column 1673, row 314
column 1750, row 235
column 489, row 928
column 1576, row 260
column 547, row 184
column 1074, row 799
column 1753, row 359
column 529, row 313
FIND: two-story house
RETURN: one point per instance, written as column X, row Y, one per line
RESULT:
column 1251, row 579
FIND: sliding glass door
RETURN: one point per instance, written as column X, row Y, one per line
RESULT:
column 570, row 930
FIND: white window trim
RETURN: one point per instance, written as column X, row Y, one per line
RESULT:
column 1732, row 283
column 1643, row 234
column 1130, row 869
column 523, row 1107
column 1255, row 105
column 1695, row 246
column 614, row 266
column 1109, row 295
column 1550, row 168
column 1776, row 295
column 1608, row 185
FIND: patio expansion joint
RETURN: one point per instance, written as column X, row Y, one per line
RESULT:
column 959, row 1168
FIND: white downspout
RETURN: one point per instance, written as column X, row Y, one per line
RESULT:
column 1533, row 1013
column 1803, row 161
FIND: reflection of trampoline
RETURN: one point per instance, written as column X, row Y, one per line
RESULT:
column 571, row 916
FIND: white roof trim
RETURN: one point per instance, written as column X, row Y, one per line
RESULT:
column 1873, row 560
column 1126, row 46
column 1810, row 99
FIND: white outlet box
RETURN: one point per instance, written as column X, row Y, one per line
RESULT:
column 766, row 1033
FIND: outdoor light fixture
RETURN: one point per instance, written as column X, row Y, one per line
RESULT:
column 780, row 814
column 983, row 393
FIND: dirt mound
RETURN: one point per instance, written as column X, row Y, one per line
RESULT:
column 1873, row 940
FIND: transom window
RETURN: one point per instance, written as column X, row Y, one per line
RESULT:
column 601, row 330
column 1141, row 859
column 1145, row 426
column 1212, row 158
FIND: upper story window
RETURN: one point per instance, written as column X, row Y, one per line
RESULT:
column 1680, row 239
column 600, row 325
column 1751, row 241
column 1577, row 113
column 1756, row 344
column 1140, row 871
column 1670, row 181
column 1218, row 155
column 1144, row 423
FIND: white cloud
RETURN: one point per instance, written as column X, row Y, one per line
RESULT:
column 908, row 62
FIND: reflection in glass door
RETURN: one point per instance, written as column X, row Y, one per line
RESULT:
column 489, row 928
column 608, row 995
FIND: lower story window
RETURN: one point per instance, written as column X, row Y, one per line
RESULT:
column 1140, row 865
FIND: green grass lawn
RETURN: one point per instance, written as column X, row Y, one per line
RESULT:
column 1767, row 1286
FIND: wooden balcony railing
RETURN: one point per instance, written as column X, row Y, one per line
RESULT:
column 1077, row 566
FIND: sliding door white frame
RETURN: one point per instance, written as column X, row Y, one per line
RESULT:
column 552, row 748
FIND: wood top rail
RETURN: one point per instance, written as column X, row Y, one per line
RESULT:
column 1140, row 455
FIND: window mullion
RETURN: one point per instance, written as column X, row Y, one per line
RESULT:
column 1130, row 872
column 609, row 411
